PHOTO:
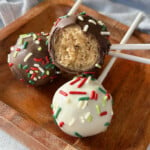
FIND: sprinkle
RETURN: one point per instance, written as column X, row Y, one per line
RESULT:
column 88, row 117
column 34, row 68
column 27, row 70
column 39, row 77
column 37, row 59
column 37, row 42
column 34, row 36
column 10, row 64
column 44, row 76
column 80, row 18
column 92, row 95
column 102, row 90
column 82, row 83
column 82, row 119
column 98, row 66
column 100, row 23
column 39, row 48
column 89, row 72
column 41, row 69
column 35, row 79
column 77, row 134
column 103, row 113
column 20, row 66
column 88, row 80
column 49, row 66
column 84, row 104
column 85, row 28
column 18, row 49
column 77, row 92
column 47, row 59
column 46, row 43
column 39, row 39
column 57, row 113
column 96, row 96
column 105, row 33
column 75, row 81
column 31, row 72
column 25, row 35
column 63, row 93
column 25, row 67
column 98, row 109
column 104, row 28
column 80, row 104
column 36, row 65
column 92, row 21
column 104, row 101
column 15, row 54
column 58, row 72
column 107, row 124
column 31, row 82
column 61, row 124
column 108, row 96
column 20, row 41
column 8, row 58
column 22, row 80
column 83, row 98
column 83, row 13
column 27, row 57
column 12, row 48
column 47, row 72
column 68, row 100
column 71, row 122
column 33, row 75
column 25, row 44
column 28, row 75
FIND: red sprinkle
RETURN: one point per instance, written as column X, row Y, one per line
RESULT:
column 27, row 70
column 10, row 64
column 108, row 96
column 82, row 82
column 77, row 92
column 22, row 80
column 34, row 68
column 75, row 81
column 63, row 93
column 33, row 75
column 37, row 59
column 96, row 96
column 61, row 124
column 39, row 39
column 43, row 77
column 89, row 72
column 43, row 62
column 92, row 95
column 47, row 59
column 38, row 34
column 18, row 49
column 103, row 113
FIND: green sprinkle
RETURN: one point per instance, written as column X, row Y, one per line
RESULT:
column 93, row 79
column 47, row 72
column 102, row 90
column 57, row 113
column 25, row 44
column 49, row 66
column 25, row 67
column 90, row 118
column 64, row 16
column 46, row 42
column 107, row 124
column 104, row 28
column 83, row 98
column 28, row 75
column 20, row 66
column 39, row 48
column 98, row 109
column 55, row 120
column 78, row 135
column 83, row 13
column 31, row 82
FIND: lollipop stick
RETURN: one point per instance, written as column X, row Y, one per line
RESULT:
column 74, row 8
column 130, row 57
column 130, row 46
column 123, row 41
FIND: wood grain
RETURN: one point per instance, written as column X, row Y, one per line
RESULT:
column 129, row 83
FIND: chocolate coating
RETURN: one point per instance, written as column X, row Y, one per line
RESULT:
column 29, row 59
column 95, row 29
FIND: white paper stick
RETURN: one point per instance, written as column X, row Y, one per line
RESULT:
column 74, row 8
column 123, row 41
column 130, row 57
column 130, row 46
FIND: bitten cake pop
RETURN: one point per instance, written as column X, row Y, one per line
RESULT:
column 82, row 107
column 78, row 43
column 29, row 59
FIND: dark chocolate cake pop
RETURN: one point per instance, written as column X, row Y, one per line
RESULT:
column 78, row 43
column 29, row 59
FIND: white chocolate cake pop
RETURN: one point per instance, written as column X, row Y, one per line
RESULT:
column 82, row 107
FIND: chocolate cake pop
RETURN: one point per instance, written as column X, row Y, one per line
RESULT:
column 29, row 59
column 82, row 107
column 78, row 43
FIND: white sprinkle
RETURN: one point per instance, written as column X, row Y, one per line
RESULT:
column 98, row 66
column 25, row 36
column 68, row 100
column 31, row 72
column 71, row 122
column 87, row 115
column 84, row 104
column 112, row 113
column 8, row 58
column 15, row 53
column 88, row 80
column 80, row 104
column 37, row 42
column 36, row 65
column 27, row 57
column 39, row 77
column 105, row 33
column 12, row 48
column 34, row 36
column 35, row 79
column 85, row 28
column 100, row 23
column 92, row 21
column 81, row 18
column 58, row 72
column 82, row 119
column 41, row 69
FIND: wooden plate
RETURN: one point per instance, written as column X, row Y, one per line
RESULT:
column 29, row 114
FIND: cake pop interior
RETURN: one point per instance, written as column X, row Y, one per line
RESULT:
column 75, row 49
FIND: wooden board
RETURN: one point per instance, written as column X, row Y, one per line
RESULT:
column 129, row 83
